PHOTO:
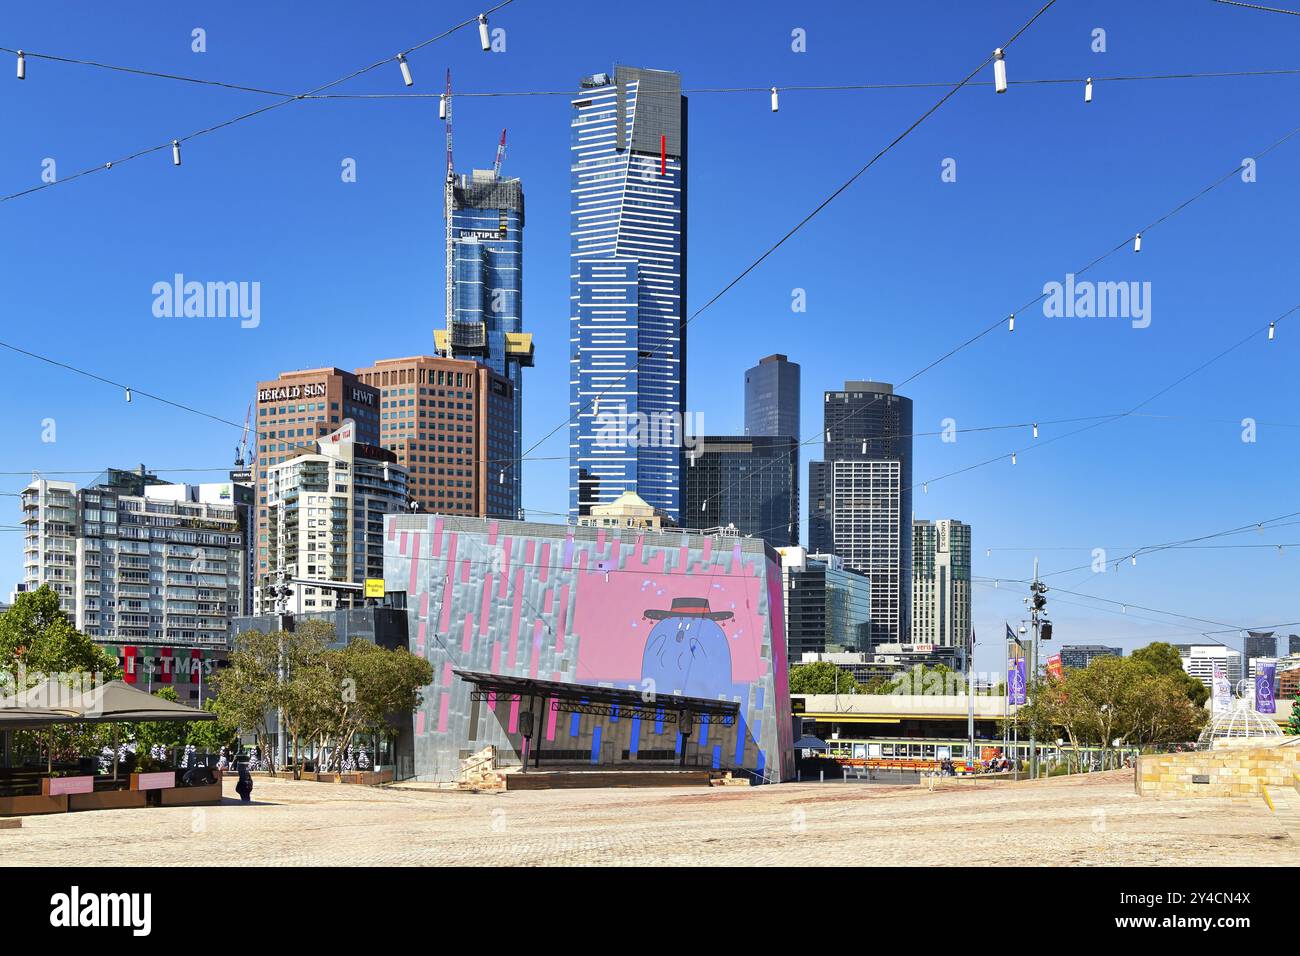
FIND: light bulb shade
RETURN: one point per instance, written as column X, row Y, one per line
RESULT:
column 483, row 38
column 176, row 152
column 775, row 103
column 442, row 106
column 406, row 70
column 1137, row 242
column 22, row 67
column 999, row 71
column 1087, row 91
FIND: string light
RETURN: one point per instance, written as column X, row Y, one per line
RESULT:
column 1011, row 322
column 501, row 480
column 925, row 488
column 406, row 69
column 1013, row 458
column 1087, row 91
column 774, row 100
column 128, row 396
column 483, row 37
column 442, row 106
column 1134, row 559
column 1272, row 329
column 1035, row 429
column 176, row 152
column 22, row 66
column 1137, row 242
column 999, row 71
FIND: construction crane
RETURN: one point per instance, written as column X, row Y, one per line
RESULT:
column 501, row 154
column 449, row 191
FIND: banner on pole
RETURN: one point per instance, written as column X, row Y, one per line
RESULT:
column 1054, row 668
column 1016, row 681
column 1265, row 671
column 1222, row 699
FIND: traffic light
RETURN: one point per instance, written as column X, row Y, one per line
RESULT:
column 1045, row 631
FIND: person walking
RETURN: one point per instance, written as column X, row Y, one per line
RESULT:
column 245, row 785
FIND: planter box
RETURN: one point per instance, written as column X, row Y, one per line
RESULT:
column 30, row 806
column 56, row 786
column 190, row 796
column 162, row 780
column 107, row 800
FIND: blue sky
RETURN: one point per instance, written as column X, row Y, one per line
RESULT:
column 898, row 270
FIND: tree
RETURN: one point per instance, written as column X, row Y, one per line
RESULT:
column 1293, row 725
column 36, row 635
column 925, row 679
column 168, row 734
column 369, row 684
column 822, row 677
column 1164, row 659
column 211, row 735
column 248, row 690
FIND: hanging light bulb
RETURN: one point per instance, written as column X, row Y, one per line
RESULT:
column 864, row 446
column 1135, row 560
column 22, row 67
column 1013, row 458
column 1137, row 242
column 999, row 71
column 176, row 152
column 1124, row 608
column 774, row 100
column 1087, row 91
column 1035, row 429
column 925, row 487
column 1011, row 322
column 501, row 479
column 988, row 552
column 483, row 37
column 385, row 471
column 128, row 396
column 442, row 106
column 996, row 582
column 828, row 434
column 704, row 505
column 1272, row 330
column 405, row 68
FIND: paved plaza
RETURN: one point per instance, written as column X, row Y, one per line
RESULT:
column 1093, row 820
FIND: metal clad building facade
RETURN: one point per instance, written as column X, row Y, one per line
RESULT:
column 590, row 606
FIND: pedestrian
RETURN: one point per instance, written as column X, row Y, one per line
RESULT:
column 245, row 785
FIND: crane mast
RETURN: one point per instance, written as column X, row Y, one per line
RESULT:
column 448, row 201
column 501, row 154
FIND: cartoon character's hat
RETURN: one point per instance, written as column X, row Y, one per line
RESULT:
column 689, row 607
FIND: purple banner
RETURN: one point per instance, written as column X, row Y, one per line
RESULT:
column 1264, row 674
column 1016, row 681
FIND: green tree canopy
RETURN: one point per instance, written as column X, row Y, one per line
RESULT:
column 1164, row 659
column 822, row 677
column 36, row 635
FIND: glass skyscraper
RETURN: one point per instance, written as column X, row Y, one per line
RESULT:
column 488, row 238
column 627, row 376
column 772, row 397
column 744, row 481
column 860, row 497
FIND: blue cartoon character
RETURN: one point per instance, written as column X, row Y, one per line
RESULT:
column 687, row 651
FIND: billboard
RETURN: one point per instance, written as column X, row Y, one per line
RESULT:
column 662, row 613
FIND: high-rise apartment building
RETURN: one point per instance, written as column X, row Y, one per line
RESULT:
column 627, row 277
column 772, row 397
column 452, row 425
column 295, row 410
column 860, row 497
column 745, row 481
column 139, row 560
column 325, row 520
column 487, row 231
column 941, row 582
column 1260, row 644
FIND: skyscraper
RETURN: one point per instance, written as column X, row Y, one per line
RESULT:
column 772, row 397
column 941, row 585
column 860, row 497
column 487, row 230
column 746, row 481
column 627, row 276
column 452, row 425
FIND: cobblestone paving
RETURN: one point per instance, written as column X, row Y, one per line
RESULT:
column 1078, row 822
